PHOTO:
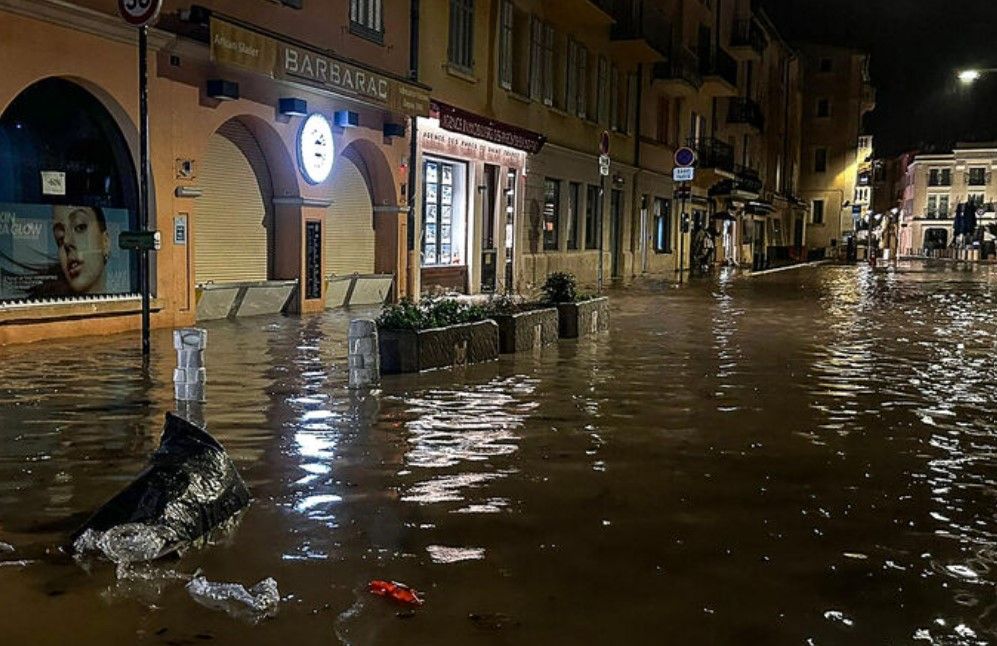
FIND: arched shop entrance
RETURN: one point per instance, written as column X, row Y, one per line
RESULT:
column 67, row 189
column 233, row 238
column 233, row 230
column 349, row 232
column 363, row 241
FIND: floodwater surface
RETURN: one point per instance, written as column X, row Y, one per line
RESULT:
column 803, row 457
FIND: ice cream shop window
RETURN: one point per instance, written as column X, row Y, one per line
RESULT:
column 67, row 189
column 444, row 227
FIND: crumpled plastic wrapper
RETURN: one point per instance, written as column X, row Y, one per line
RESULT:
column 255, row 604
column 190, row 487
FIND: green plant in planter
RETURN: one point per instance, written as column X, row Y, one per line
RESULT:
column 503, row 305
column 405, row 315
column 560, row 287
column 430, row 313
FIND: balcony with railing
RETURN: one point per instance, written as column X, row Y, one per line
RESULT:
column 583, row 12
column 719, row 72
column 680, row 72
column 713, row 153
column 747, row 39
column 746, row 111
column 641, row 29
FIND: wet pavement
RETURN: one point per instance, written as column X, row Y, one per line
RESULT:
column 804, row 457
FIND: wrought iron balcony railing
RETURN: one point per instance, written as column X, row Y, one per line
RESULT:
column 681, row 65
column 718, row 63
column 713, row 153
column 745, row 110
column 747, row 33
column 640, row 21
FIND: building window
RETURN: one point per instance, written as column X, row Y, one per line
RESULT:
column 576, row 83
column 943, row 206
column 826, row 65
column 541, row 61
column 818, row 212
column 574, row 194
column 603, row 90
column 444, row 214
column 551, row 213
column 592, row 218
column 932, row 206
column 940, row 177
column 366, row 19
column 461, row 50
column 824, row 110
column 506, row 25
column 663, row 119
column 662, row 225
column 820, row 160
column 977, row 198
column 977, row 176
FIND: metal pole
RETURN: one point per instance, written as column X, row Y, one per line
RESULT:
column 143, row 93
column 602, row 214
column 682, row 217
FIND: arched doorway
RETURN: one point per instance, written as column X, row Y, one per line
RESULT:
column 68, row 187
column 349, row 232
column 233, row 239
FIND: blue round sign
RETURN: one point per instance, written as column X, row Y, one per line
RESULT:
column 685, row 157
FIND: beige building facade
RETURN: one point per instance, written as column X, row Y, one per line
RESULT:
column 837, row 94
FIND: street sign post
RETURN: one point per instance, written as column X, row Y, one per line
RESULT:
column 685, row 157
column 140, row 240
column 140, row 14
column 683, row 173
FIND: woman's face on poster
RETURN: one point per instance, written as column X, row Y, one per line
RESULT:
column 83, row 249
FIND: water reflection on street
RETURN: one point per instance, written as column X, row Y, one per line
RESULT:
column 804, row 457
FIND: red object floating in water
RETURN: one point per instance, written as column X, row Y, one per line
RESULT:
column 397, row 591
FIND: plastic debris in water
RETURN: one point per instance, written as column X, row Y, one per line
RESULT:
column 397, row 591
column 258, row 602
column 190, row 487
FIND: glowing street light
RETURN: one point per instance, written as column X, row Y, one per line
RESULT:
column 968, row 77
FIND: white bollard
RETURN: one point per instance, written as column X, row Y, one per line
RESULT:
column 364, row 358
column 190, row 376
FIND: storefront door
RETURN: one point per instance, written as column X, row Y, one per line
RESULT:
column 615, row 224
column 489, row 252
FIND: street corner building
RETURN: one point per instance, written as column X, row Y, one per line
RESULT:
column 279, row 157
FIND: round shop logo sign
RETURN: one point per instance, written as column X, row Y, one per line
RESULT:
column 139, row 12
column 316, row 148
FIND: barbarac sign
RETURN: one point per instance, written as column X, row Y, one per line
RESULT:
column 235, row 45
column 473, row 125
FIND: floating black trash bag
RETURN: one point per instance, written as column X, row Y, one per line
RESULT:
column 190, row 487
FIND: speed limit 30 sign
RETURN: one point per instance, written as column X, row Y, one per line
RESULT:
column 139, row 12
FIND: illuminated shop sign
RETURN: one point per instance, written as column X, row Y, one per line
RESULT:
column 473, row 125
column 234, row 45
column 63, row 251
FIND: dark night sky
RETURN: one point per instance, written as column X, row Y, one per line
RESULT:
column 916, row 46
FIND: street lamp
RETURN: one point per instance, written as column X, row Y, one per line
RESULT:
column 973, row 74
column 968, row 77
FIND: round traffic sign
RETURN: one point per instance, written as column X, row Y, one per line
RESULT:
column 604, row 143
column 139, row 12
column 685, row 156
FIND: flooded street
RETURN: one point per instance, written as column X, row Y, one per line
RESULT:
column 803, row 457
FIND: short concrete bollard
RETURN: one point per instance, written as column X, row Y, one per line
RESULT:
column 364, row 357
column 190, row 376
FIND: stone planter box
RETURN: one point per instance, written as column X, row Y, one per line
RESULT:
column 414, row 351
column 583, row 319
column 527, row 331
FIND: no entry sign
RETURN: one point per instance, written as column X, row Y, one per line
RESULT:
column 139, row 12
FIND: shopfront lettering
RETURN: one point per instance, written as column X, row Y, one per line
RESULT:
column 332, row 74
column 479, row 127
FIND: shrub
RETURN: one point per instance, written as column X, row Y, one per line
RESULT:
column 430, row 313
column 560, row 287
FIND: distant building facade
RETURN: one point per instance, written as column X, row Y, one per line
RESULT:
column 837, row 94
column 936, row 184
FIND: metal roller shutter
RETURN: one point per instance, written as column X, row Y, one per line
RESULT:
column 230, row 227
column 349, row 230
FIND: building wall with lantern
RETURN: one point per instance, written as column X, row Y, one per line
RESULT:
column 244, row 231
